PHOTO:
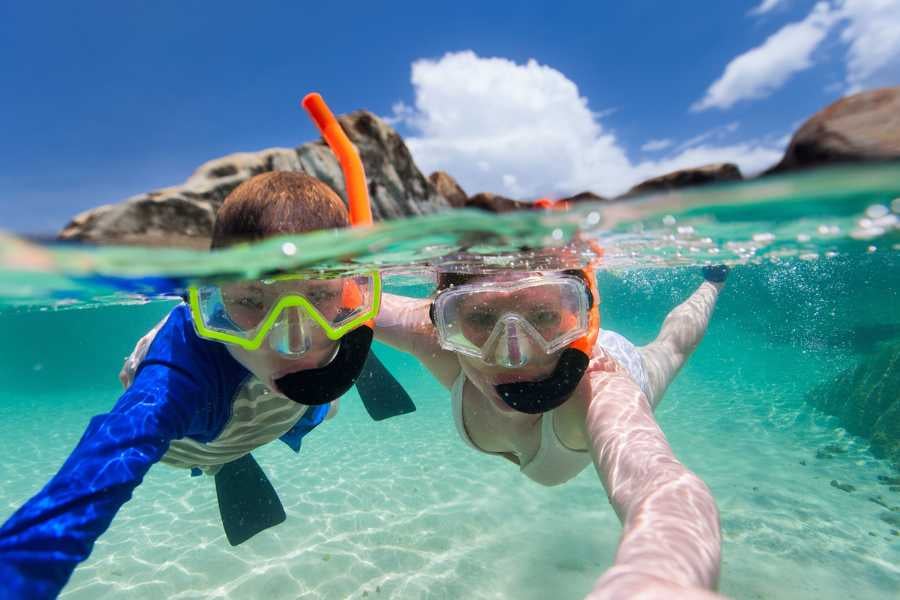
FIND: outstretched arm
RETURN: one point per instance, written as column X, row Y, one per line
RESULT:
column 670, row 545
column 43, row 542
column 680, row 334
column 404, row 324
column 171, row 396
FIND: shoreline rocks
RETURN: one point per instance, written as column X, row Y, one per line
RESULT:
column 864, row 127
column 183, row 215
column 683, row 178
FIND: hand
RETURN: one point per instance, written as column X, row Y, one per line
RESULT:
column 715, row 273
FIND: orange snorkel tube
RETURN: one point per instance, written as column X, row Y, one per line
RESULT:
column 351, row 164
column 329, row 382
column 348, row 157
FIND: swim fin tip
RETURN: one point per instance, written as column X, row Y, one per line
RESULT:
column 248, row 504
column 382, row 395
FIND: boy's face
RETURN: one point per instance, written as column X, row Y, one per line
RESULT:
column 268, row 365
column 295, row 342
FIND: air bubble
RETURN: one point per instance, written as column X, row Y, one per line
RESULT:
column 289, row 249
column 877, row 210
column 668, row 220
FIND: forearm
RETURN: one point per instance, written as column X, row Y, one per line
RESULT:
column 670, row 521
column 686, row 324
column 403, row 323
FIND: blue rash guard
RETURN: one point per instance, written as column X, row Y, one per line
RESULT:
column 184, row 387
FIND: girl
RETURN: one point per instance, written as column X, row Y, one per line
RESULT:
column 535, row 381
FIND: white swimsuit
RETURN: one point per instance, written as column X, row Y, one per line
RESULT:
column 554, row 463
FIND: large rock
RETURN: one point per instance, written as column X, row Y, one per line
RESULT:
column 864, row 127
column 584, row 197
column 447, row 187
column 495, row 203
column 866, row 400
column 500, row 204
column 184, row 215
column 713, row 173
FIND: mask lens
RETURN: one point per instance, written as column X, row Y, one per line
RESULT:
column 243, row 312
column 547, row 313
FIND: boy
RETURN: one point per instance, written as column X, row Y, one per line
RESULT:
column 240, row 365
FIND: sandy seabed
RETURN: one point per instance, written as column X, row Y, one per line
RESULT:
column 402, row 509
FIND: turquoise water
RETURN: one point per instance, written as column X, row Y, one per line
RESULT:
column 403, row 509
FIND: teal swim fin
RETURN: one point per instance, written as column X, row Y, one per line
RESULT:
column 248, row 503
column 381, row 393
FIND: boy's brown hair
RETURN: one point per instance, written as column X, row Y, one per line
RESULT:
column 277, row 203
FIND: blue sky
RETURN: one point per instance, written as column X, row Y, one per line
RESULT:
column 104, row 100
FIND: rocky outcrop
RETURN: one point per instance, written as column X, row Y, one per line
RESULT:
column 584, row 197
column 184, row 215
column 866, row 401
column 500, row 204
column 495, row 203
column 447, row 187
column 713, row 173
column 864, row 127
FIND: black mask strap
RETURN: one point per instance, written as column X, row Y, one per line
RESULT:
column 313, row 387
column 534, row 397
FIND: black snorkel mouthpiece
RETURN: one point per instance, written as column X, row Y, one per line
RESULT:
column 535, row 397
column 313, row 387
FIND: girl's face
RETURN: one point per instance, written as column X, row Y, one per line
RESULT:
column 486, row 377
column 540, row 307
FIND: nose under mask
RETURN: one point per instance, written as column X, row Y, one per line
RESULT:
column 291, row 335
column 511, row 345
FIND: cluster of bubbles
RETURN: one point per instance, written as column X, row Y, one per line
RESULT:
column 674, row 241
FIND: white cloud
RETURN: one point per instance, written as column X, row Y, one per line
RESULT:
column 762, row 70
column 716, row 133
column 657, row 145
column 524, row 130
column 764, row 7
column 870, row 31
column 873, row 39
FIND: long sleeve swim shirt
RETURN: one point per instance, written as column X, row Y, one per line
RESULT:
column 183, row 389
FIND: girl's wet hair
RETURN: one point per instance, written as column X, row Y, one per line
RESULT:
column 277, row 203
column 466, row 267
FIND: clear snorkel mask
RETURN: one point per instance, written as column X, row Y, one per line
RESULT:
column 511, row 323
column 514, row 322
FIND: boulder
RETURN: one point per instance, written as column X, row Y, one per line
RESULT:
column 184, row 215
column 584, row 197
column 866, row 402
column 864, row 127
column 447, row 187
column 713, row 173
column 495, row 203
